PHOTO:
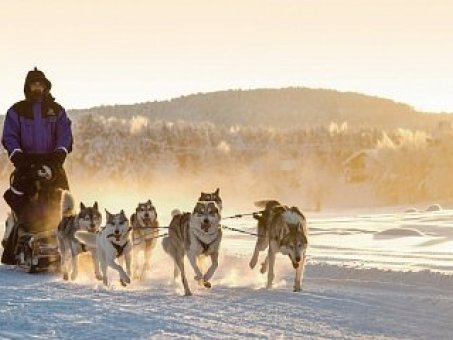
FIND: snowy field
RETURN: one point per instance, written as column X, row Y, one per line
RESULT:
column 380, row 275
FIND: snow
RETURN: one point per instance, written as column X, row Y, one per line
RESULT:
column 398, row 232
column 434, row 207
column 369, row 275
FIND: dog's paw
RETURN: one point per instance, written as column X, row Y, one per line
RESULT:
column 105, row 281
column 263, row 268
column 188, row 293
column 252, row 263
column 98, row 277
column 207, row 284
column 198, row 278
column 126, row 279
column 269, row 286
column 74, row 276
column 65, row 276
column 297, row 289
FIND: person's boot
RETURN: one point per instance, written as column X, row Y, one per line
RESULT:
column 9, row 248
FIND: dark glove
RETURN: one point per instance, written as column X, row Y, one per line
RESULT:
column 19, row 160
column 58, row 157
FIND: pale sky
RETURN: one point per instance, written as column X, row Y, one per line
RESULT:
column 105, row 51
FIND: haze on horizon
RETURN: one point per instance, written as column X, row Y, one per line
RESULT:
column 108, row 52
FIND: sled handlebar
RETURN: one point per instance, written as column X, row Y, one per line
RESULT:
column 32, row 160
column 38, row 157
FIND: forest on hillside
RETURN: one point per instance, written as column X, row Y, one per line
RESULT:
column 406, row 166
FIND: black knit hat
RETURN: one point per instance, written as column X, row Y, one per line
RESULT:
column 36, row 75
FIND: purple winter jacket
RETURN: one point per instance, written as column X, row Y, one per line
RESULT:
column 37, row 127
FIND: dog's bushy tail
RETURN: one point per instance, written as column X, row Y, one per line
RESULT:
column 86, row 238
column 67, row 204
column 175, row 212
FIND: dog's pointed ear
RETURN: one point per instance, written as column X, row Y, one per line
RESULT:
column 217, row 191
column 297, row 211
column 82, row 206
column 95, row 206
column 122, row 213
column 107, row 213
column 149, row 202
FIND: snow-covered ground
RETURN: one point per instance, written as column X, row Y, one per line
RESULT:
column 385, row 275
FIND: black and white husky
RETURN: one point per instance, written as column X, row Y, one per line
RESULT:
column 195, row 234
column 283, row 230
column 144, row 235
column 88, row 219
column 112, row 242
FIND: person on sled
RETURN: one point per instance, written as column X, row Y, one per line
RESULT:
column 37, row 135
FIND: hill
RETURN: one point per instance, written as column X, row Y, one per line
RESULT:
column 284, row 108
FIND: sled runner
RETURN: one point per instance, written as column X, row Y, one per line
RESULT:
column 38, row 252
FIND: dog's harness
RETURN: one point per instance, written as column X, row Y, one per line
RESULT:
column 119, row 249
column 205, row 245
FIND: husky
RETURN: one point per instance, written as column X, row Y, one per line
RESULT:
column 88, row 219
column 283, row 230
column 112, row 241
column 195, row 234
column 212, row 197
column 145, row 230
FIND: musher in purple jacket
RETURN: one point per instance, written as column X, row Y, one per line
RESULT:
column 33, row 127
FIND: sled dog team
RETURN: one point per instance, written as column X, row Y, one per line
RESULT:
column 196, row 234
